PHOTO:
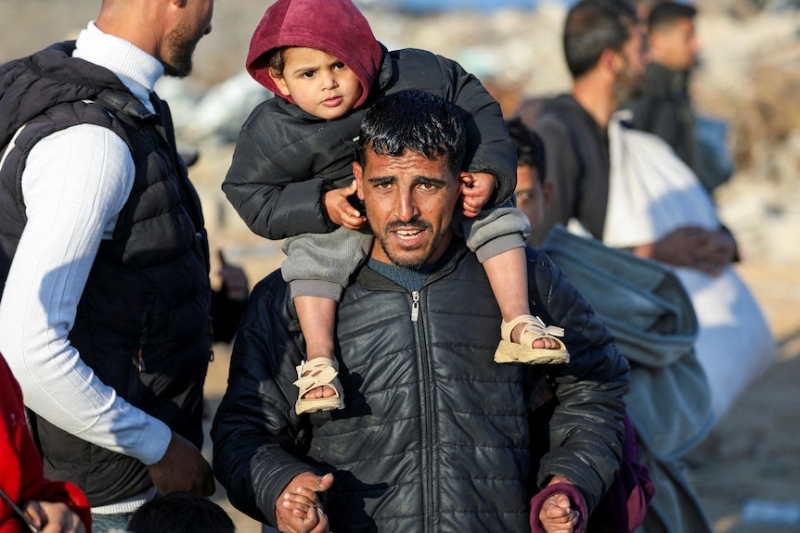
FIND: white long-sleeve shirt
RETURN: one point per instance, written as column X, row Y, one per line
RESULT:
column 74, row 185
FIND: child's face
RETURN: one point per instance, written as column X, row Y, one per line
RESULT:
column 319, row 83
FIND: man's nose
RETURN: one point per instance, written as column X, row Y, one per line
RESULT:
column 407, row 209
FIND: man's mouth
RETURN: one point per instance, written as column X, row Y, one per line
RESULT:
column 407, row 234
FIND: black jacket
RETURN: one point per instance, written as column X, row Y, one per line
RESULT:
column 664, row 109
column 576, row 151
column 434, row 435
column 142, row 323
column 285, row 158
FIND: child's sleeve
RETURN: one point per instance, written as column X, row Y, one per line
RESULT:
column 270, row 187
column 489, row 146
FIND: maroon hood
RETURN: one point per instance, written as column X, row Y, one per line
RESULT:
column 336, row 27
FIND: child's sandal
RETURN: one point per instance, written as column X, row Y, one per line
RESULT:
column 318, row 372
column 524, row 352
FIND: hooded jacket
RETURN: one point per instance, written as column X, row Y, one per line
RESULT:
column 142, row 323
column 434, row 435
column 298, row 23
column 285, row 158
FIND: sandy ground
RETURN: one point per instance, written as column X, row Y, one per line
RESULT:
column 751, row 454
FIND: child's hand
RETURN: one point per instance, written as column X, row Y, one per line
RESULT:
column 339, row 210
column 557, row 516
column 478, row 187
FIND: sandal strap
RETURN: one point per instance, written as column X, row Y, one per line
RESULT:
column 315, row 373
column 532, row 323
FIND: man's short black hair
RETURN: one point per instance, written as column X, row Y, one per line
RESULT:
column 416, row 121
column 530, row 148
column 180, row 512
column 593, row 26
column 667, row 13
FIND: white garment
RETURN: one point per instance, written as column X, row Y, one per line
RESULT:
column 74, row 185
column 651, row 193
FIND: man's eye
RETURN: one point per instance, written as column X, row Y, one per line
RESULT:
column 308, row 74
column 524, row 195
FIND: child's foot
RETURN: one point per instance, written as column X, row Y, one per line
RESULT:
column 319, row 386
column 527, row 339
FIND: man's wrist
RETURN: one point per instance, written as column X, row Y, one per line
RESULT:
column 156, row 437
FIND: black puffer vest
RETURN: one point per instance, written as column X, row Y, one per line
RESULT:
column 142, row 323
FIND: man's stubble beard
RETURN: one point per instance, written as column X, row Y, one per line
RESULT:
column 417, row 263
column 628, row 85
column 181, row 45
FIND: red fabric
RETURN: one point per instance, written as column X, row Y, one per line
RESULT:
column 336, row 27
column 622, row 508
column 21, row 474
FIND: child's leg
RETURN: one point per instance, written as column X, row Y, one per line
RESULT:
column 497, row 238
column 317, row 316
column 317, row 268
column 508, row 276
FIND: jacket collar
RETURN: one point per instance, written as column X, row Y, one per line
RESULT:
column 665, row 82
column 454, row 254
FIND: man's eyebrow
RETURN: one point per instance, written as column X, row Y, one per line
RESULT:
column 427, row 180
column 381, row 180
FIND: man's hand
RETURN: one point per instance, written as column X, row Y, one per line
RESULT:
column 693, row 247
column 52, row 517
column 478, row 187
column 339, row 210
column 182, row 469
column 299, row 510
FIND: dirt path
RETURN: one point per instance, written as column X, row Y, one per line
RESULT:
column 753, row 452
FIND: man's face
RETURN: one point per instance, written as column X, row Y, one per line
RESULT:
column 180, row 42
column 532, row 198
column 409, row 201
column 629, row 78
column 675, row 46
column 318, row 82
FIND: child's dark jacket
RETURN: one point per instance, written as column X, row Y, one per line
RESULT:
column 285, row 159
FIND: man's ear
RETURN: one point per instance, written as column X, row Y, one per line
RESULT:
column 358, row 172
column 612, row 60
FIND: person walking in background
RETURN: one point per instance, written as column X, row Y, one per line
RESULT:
column 294, row 180
column 628, row 189
column 662, row 106
column 104, row 316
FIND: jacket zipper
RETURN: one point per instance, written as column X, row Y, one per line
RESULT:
column 427, row 402
column 139, row 362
